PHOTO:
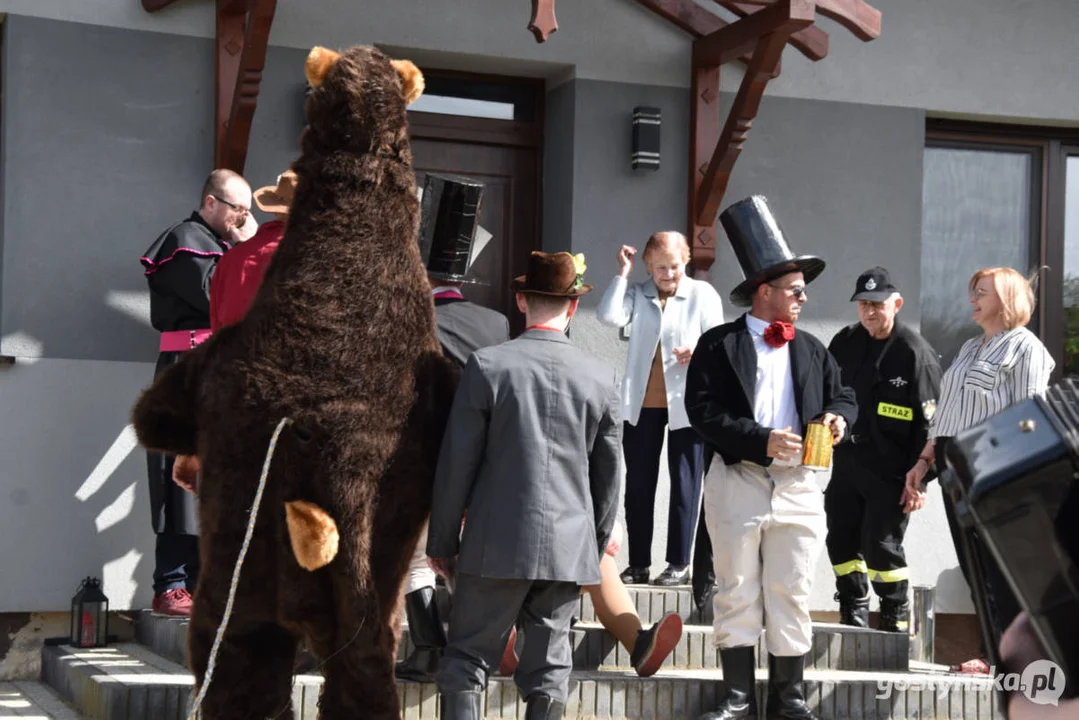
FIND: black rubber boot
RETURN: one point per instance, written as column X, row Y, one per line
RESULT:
column 853, row 611
column 542, row 707
column 786, row 700
column 467, row 705
column 425, row 629
column 740, row 678
column 894, row 616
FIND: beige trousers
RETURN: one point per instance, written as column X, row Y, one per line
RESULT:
column 420, row 574
column 767, row 527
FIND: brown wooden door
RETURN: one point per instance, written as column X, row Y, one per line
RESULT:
column 510, row 206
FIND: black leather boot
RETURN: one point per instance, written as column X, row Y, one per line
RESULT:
column 894, row 616
column 853, row 610
column 542, row 707
column 425, row 629
column 467, row 705
column 786, row 700
column 740, row 677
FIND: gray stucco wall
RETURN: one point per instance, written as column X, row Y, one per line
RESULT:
column 980, row 57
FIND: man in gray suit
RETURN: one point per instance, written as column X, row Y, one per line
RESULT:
column 532, row 453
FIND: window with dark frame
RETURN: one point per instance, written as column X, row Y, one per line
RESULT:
column 999, row 195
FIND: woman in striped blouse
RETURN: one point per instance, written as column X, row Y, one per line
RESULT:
column 1005, row 365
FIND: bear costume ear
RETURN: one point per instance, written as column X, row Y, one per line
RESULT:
column 319, row 63
column 411, row 79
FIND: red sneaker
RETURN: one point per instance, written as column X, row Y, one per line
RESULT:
column 508, row 665
column 173, row 603
column 655, row 644
column 977, row 666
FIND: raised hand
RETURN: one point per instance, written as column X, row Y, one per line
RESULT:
column 625, row 259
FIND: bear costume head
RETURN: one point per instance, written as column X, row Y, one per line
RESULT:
column 341, row 340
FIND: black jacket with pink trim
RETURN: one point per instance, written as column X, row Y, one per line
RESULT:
column 179, row 265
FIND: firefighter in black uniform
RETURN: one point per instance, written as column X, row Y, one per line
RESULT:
column 895, row 374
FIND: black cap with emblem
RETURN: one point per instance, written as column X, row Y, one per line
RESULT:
column 874, row 285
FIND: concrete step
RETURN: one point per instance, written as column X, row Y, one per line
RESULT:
column 127, row 682
column 835, row 647
column 32, row 700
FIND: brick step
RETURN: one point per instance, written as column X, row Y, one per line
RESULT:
column 652, row 603
column 32, row 699
column 128, row 682
column 835, row 647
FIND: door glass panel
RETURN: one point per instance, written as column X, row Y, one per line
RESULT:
column 1071, row 267
column 976, row 212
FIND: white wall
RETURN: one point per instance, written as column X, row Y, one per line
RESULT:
column 73, row 490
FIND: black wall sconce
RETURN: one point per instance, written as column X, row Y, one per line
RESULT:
column 646, row 126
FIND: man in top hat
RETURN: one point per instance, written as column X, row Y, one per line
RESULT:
column 532, row 452
column 895, row 375
column 447, row 235
column 752, row 387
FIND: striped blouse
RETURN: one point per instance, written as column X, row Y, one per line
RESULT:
column 983, row 380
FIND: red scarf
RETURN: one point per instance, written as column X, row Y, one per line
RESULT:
column 778, row 334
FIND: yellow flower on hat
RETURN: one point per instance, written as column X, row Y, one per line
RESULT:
column 579, row 267
column 578, row 262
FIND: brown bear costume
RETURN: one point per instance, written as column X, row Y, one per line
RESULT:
column 341, row 339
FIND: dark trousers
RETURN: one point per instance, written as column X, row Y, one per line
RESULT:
column 642, row 445
column 176, row 562
column 866, row 525
column 1003, row 605
column 174, row 514
column 485, row 609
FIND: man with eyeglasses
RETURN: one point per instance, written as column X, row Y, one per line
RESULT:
column 179, row 266
column 895, row 374
column 752, row 386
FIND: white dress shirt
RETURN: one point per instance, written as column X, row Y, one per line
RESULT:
column 773, row 400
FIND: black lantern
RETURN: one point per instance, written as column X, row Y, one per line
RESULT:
column 89, row 615
column 646, row 127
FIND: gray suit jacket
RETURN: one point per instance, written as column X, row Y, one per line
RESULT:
column 532, row 452
column 464, row 326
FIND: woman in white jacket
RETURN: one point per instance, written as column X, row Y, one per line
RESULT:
column 669, row 313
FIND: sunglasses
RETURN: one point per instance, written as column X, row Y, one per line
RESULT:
column 234, row 206
column 798, row 291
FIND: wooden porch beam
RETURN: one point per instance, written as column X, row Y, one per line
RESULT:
column 728, row 43
column 543, row 21
column 812, row 42
column 243, row 93
column 857, row 16
column 703, row 136
column 691, row 18
column 739, row 122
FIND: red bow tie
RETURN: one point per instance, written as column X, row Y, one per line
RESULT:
column 778, row 334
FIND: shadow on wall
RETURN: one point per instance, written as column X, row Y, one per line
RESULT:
column 111, row 504
column 73, row 498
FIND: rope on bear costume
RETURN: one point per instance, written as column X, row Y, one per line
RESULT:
column 236, row 572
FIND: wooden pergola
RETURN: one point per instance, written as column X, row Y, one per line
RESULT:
column 758, row 37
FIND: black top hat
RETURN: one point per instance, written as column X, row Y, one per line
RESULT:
column 450, row 215
column 761, row 249
column 873, row 285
